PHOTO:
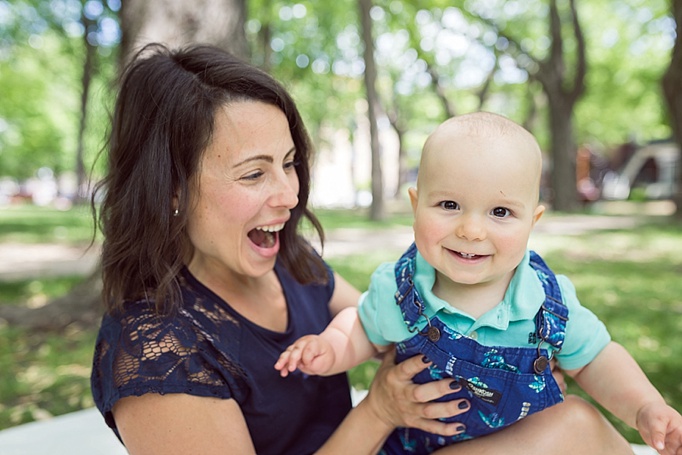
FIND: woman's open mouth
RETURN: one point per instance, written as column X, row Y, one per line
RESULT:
column 265, row 236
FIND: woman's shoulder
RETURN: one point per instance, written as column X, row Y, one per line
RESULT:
column 139, row 351
column 138, row 322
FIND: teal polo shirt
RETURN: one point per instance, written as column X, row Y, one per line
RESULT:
column 511, row 323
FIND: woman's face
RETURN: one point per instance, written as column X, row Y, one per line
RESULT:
column 243, row 193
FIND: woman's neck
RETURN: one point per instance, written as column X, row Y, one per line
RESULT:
column 261, row 299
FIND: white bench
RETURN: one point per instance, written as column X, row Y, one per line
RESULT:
column 85, row 433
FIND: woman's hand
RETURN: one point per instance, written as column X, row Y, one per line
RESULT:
column 398, row 402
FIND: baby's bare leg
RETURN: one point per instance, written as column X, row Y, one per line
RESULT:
column 573, row 427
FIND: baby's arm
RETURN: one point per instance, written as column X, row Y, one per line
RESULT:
column 615, row 380
column 341, row 346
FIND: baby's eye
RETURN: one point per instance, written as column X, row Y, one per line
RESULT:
column 501, row 212
column 449, row 205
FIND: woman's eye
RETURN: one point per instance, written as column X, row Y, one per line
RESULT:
column 501, row 212
column 253, row 176
column 449, row 205
column 291, row 164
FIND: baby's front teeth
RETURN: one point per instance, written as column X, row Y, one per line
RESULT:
column 467, row 255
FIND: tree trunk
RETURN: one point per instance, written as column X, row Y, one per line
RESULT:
column 562, row 96
column 176, row 23
column 377, row 209
column 672, row 89
column 563, row 175
column 396, row 122
column 448, row 106
column 88, row 69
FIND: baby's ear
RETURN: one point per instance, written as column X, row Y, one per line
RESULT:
column 412, row 192
column 539, row 210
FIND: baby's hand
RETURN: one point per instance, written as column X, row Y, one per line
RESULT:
column 311, row 354
column 661, row 427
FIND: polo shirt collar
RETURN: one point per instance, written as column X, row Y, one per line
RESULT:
column 522, row 300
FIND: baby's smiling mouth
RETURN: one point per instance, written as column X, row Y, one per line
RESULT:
column 265, row 236
column 468, row 256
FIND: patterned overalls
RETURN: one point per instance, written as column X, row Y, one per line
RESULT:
column 503, row 384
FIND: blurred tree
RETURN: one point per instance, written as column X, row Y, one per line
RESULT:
column 100, row 33
column 672, row 87
column 177, row 23
column 433, row 60
column 377, row 210
column 41, row 53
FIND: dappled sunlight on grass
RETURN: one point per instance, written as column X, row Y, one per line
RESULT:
column 43, row 374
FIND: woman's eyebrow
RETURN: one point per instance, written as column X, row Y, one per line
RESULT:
column 266, row 158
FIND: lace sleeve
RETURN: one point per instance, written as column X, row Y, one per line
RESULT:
column 142, row 353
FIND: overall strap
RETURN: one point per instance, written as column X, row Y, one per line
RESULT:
column 550, row 321
column 407, row 296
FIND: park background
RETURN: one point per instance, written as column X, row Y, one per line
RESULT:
column 597, row 82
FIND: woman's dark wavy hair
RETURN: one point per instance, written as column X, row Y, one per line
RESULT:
column 163, row 121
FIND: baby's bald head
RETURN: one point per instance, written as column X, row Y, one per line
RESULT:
column 484, row 136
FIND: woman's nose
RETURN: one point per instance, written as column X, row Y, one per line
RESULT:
column 285, row 192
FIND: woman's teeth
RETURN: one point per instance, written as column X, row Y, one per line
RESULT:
column 271, row 228
column 265, row 236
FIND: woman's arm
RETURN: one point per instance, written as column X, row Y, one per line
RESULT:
column 345, row 295
column 181, row 424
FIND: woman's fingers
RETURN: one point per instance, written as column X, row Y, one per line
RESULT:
column 413, row 405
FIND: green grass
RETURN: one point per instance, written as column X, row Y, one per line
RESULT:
column 359, row 218
column 35, row 291
column 29, row 224
column 630, row 278
column 43, row 374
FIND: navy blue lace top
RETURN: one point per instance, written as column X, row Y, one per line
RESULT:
column 208, row 349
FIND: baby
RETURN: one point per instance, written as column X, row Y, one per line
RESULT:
column 486, row 311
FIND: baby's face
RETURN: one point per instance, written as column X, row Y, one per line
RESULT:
column 476, row 204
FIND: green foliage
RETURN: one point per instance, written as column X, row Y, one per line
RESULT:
column 41, row 67
column 316, row 50
column 37, row 112
column 629, row 48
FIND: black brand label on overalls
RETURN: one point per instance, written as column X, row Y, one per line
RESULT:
column 483, row 393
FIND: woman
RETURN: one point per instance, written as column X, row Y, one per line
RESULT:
column 206, row 279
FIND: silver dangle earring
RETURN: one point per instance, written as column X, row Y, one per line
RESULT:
column 176, row 212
